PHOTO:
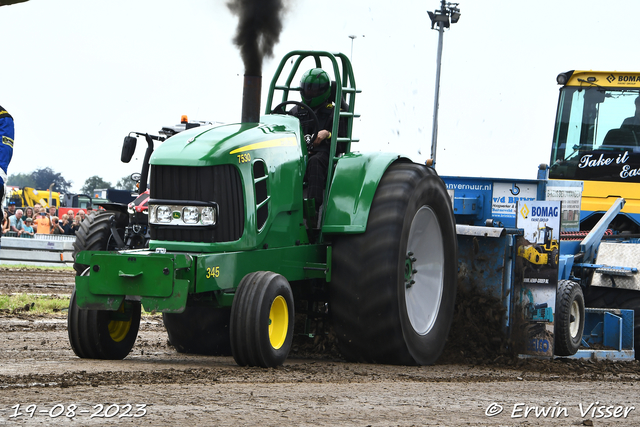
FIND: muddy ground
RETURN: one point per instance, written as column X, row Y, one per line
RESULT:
column 42, row 382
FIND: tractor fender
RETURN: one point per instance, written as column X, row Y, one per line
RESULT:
column 118, row 207
column 355, row 180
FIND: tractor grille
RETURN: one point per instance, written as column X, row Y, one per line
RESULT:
column 220, row 184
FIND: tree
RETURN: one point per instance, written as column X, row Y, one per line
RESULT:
column 92, row 183
column 45, row 177
column 21, row 180
column 126, row 183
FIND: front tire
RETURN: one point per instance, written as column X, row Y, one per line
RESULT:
column 393, row 287
column 262, row 317
column 102, row 334
column 569, row 318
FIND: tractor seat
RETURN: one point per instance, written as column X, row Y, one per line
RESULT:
column 621, row 137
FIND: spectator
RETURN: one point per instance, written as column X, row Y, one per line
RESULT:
column 36, row 209
column 15, row 222
column 5, row 222
column 81, row 214
column 75, row 225
column 43, row 223
column 66, row 224
column 12, row 208
column 52, row 212
column 55, row 226
column 28, row 229
column 28, row 213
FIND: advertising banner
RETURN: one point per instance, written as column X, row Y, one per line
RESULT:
column 570, row 194
column 536, row 272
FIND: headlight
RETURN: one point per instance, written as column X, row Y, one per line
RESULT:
column 208, row 216
column 163, row 214
column 190, row 215
column 183, row 215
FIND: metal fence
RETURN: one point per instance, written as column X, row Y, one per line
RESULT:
column 40, row 249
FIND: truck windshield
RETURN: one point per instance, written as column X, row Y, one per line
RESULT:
column 597, row 135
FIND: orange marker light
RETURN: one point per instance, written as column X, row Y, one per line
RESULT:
column 184, row 119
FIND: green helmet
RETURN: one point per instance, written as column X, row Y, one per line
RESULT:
column 315, row 87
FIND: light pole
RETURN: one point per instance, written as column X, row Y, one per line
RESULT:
column 352, row 37
column 440, row 18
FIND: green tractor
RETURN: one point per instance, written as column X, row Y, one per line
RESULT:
column 237, row 246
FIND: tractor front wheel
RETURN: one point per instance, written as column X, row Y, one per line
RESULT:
column 262, row 317
column 102, row 334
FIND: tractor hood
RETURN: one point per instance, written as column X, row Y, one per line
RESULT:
column 223, row 144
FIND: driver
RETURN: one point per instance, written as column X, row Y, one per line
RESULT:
column 635, row 119
column 315, row 91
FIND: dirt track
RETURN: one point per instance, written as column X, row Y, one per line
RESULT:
column 37, row 367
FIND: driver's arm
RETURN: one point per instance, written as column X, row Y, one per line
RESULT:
column 322, row 135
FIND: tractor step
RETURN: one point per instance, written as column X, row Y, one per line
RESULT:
column 626, row 258
column 617, row 271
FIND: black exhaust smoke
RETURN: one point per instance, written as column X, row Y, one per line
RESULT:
column 259, row 27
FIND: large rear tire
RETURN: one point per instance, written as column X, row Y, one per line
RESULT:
column 569, row 318
column 262, row 317
column 598, row 297
column 94, row 234
column 101, row 334
column 199, row 330
column 393, row 288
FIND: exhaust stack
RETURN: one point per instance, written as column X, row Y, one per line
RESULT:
column 251, row 99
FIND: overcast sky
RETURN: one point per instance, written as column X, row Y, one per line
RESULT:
column 77, row 76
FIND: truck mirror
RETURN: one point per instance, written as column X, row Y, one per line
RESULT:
column 128, row 148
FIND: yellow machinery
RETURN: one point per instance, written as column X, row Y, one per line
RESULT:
column 28, row 196
column 544, row 251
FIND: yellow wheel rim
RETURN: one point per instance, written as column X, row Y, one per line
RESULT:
column 278, row 322
column 118, row 329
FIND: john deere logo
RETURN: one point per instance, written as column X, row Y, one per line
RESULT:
column 524, row 211
column 176, row 215
column 611, row 78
